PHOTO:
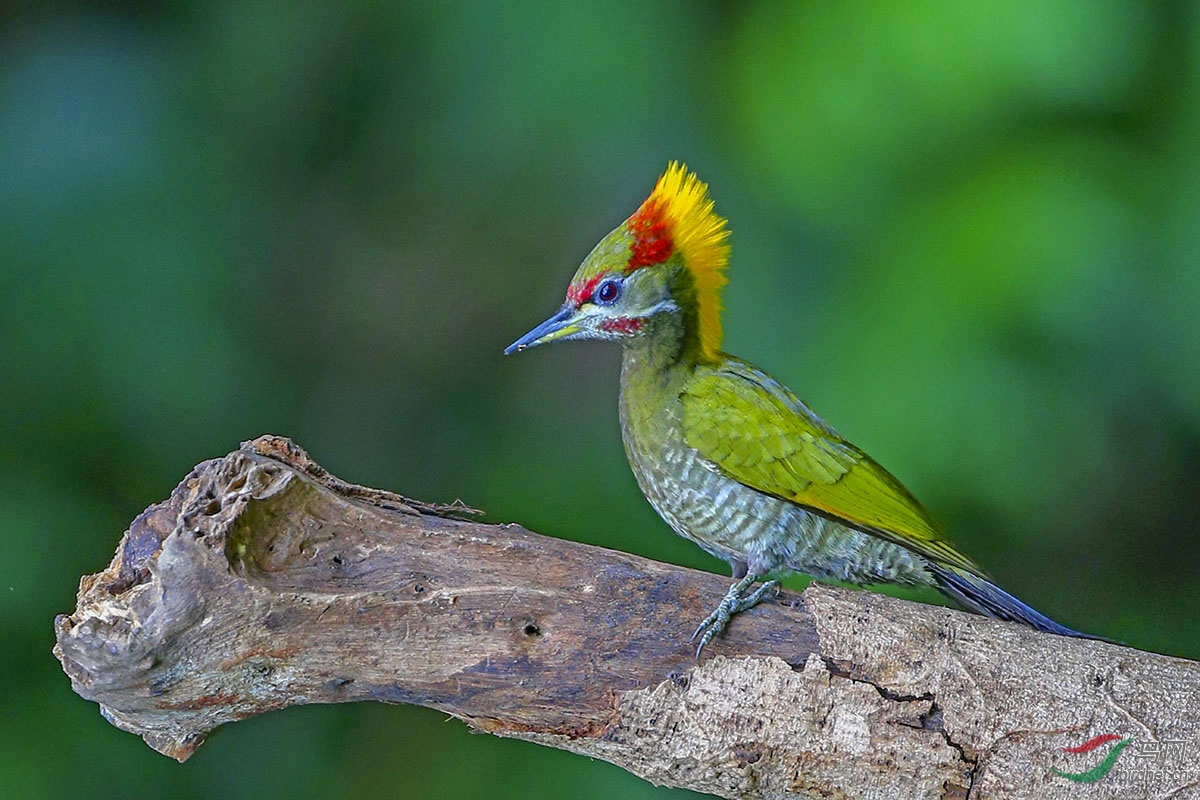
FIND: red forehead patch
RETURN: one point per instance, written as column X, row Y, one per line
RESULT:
column 578, row 293
column 651, row 236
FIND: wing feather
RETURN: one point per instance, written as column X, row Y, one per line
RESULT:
column 757, row 432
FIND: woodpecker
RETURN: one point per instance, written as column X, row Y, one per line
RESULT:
column 726, row 454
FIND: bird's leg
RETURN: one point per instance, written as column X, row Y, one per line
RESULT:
column 736, row 601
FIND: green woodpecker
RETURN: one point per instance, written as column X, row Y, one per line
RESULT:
column 726, row 454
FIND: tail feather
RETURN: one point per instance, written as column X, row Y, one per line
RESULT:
column 980, row 595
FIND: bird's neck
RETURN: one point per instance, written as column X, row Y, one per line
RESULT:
column 656, row 364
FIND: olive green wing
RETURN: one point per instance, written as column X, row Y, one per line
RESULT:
column 758, row 433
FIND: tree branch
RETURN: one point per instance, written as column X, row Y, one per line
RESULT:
column 264, row 582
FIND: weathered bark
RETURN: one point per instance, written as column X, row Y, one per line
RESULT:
column 265, row 582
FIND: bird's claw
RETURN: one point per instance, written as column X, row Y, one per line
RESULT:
column 713, row 624
column 734, row 602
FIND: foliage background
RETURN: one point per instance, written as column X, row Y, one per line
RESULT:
column 967, row 233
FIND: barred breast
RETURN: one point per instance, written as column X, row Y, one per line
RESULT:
column 740, row 524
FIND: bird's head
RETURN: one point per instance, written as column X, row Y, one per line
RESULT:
column 668, row 258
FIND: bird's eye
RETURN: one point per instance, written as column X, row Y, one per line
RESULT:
column 607, row 293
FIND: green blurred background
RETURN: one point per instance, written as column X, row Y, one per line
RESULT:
column 967, row 233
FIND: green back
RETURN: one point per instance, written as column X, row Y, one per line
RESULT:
column 758, row 433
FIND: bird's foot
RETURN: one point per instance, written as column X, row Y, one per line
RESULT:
column 736, row 601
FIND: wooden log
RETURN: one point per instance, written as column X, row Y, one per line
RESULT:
column 265, row 582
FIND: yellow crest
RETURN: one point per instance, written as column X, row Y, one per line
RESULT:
column 678, row 217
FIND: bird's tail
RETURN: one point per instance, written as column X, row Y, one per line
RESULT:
column 982, row 596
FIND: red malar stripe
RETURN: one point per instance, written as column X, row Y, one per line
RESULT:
column 622, row 324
